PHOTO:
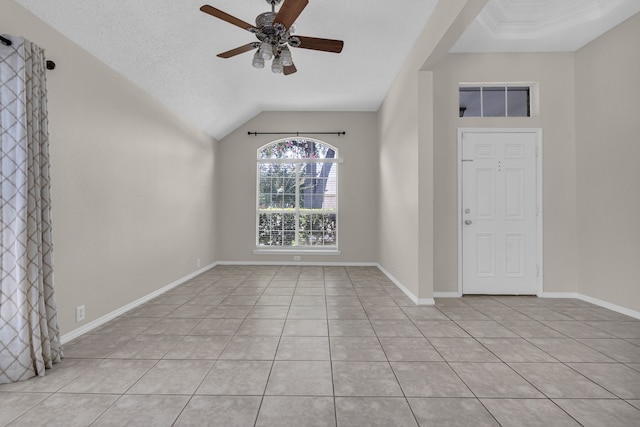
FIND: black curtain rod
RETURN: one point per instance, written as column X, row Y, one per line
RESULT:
column 341, row 133
column 5, row 41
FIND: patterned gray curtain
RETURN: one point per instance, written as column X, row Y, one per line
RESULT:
column 29, row 334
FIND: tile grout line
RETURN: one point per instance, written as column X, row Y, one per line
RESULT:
column 371, row 302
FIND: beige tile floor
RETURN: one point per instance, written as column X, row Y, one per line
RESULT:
column 326, row 346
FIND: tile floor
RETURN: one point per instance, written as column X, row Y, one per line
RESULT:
column 314, row 346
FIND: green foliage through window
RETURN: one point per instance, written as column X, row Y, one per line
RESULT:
column 297, row 194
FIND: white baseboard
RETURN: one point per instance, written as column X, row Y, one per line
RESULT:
column 595, row 301
column 560, row 295
column 301, row 263
column 396, row 282
column 610, row 306
column 447, row 295
column 407, row 292
column 120, row 311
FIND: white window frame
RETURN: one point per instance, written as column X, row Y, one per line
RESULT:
column 533, row 96
column 296, row 249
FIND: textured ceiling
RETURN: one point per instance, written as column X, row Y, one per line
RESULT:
column 169, row 48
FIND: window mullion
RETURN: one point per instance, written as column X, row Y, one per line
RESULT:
column 506, row 101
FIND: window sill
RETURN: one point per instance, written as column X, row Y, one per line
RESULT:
column 264, row 251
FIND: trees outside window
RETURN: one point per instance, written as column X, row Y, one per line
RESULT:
column 297, row 194
column 495, row 100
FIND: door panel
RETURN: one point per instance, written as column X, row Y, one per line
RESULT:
column 485, row 253
column 486, row 185
column 515, row 249
column 499, row 207
column 514, row 193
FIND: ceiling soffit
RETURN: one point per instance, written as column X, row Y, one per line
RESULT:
column 533, row 19
column 543, row 25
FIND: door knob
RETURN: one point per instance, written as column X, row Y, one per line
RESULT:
column 467, row 222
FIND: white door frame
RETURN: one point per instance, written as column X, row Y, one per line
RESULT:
column 538, row 133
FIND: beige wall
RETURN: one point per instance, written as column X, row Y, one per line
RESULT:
column 406, row 128
column 608, row 176
column 554, row 74
column 132, row 186
column 139, row 196
column 399, row 181
column 357, row 184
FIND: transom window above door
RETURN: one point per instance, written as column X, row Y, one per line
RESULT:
column 495, row 100
column 297, row 196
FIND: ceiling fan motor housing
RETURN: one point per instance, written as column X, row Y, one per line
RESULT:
column 264, row 21
column 277, row 34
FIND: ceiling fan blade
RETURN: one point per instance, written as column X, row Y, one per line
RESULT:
column 239, row 50
column 226, row 17
column 326, row 45
column 290, row 11
column 289, row 69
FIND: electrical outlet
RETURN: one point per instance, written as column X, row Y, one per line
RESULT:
column 79, row 313
column 198, row 263
column 296, row 258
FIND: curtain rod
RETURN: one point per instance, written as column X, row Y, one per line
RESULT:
column 5, row 41
column 340, row 133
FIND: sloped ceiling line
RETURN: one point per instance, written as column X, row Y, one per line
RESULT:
column 168, row 48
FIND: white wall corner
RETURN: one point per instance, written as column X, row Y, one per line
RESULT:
column 120, row 311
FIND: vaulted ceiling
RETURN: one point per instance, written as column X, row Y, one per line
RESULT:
column 169, row 48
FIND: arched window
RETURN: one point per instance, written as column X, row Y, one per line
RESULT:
column 297, row 195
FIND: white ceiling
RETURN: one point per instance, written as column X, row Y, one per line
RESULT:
column 543, row 25
column 169, row 48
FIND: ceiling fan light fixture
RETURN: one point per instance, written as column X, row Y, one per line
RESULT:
column 258, row 61
column 276, row 65
column 274, row 31
column 266, row 51
column 285, row 57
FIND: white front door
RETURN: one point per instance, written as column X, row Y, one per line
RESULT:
column 499, row 212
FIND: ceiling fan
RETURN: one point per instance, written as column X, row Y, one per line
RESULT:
column 273, row 31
